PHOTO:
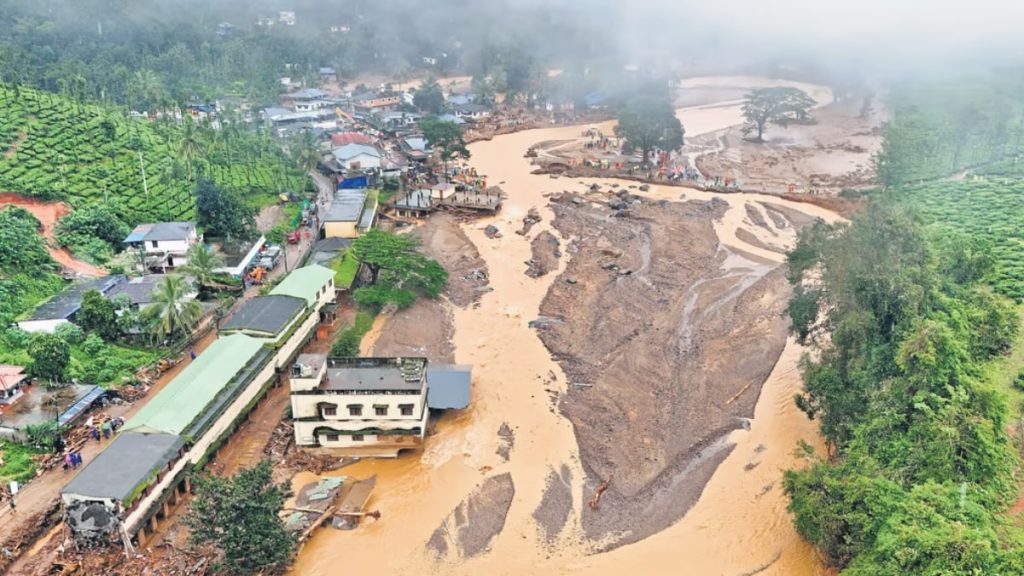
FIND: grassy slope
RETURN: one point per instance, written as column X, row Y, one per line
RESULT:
column 53, row 147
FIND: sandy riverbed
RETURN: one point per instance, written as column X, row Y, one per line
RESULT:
column 739, row 523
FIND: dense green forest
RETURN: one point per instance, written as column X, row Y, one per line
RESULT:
column 146, row 54
column 54, row 147
column 28, row 277
column 906, row 306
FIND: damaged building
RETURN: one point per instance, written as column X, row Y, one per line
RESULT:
column 370, row 406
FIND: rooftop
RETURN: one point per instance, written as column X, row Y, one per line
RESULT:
column 268, row 315
column 353, row 150
column 347, row 206
column 139, row 289
column 185, row 397
column 129, row 461
column 161, row 231
column 304, row 283
column 374, row 374
column 345, row 138
column 449, row 385
column 308, row 94
column 11, row 376
column 64, row 305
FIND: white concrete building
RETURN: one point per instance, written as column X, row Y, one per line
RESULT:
column 163, row 244
column 375, row 405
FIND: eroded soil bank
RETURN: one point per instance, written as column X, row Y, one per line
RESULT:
column 679, row 246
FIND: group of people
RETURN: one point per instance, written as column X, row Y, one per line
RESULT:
column 72, row 460
column 106, row 429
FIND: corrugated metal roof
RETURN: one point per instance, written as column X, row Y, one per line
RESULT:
column 347, row 205
column 269, row 314
column 64, row 305
column 304, row 282
column 185, row 397
column 353, row 150
column 448, row 386
column 125, row 464
column 161, row 231
column 80, row 405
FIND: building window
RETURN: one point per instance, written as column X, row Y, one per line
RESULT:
column 154, row 244
column 355, row 410
column 332, row 437
column 357, row 437
column 381, row 410
column 406, row 409
column 330, row 410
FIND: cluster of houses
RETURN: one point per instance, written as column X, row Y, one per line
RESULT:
column 369, row 134
column 363, row 406
column 121, row 493
column 159, row 248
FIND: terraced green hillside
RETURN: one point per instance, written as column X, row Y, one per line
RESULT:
column 56, row 148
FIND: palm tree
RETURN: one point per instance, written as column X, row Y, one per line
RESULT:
column 305, row 151
column 173, row 311
column 201, row 263
column 191, row 146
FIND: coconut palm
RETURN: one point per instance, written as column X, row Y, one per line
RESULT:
column 305, row 151
column 201, row 263
column 191, row 147
column 173, row 311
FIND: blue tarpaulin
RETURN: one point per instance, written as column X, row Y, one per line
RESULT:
column 354, row 182
column 81, row 406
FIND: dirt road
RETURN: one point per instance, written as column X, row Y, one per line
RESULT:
column 48, row 213
column 42, row 494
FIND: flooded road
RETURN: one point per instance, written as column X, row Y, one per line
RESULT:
column 738, row 526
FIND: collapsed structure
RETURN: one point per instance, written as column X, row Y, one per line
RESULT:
column 143, row 471
column 377, row 406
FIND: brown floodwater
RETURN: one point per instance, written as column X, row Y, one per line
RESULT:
column 740, row 524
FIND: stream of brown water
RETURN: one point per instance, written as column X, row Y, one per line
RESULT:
column 739, row 525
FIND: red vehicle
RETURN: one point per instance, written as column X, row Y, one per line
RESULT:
column 293, row 237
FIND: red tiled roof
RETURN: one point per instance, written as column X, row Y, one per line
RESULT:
column 345, row 138
column 11, row 376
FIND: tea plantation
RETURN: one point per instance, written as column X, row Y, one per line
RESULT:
column 986, row 208
column 56, row 148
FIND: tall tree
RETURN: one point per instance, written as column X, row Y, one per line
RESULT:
column 445, row 138
column 191, row 147
column 50, row 357
column 200, row 263
column 648, row 122
column 429, row 98
column 222, row 213
column 398, row 271
column 97, row 315
column 174, row 310
column 305, row 151
column 241, row 516
column 776, row 105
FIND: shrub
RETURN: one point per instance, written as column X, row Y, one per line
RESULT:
column 70, row 333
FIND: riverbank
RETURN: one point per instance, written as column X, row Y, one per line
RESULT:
column 515, row 424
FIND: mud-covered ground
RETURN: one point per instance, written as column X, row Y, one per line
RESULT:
column 666, row 337
column 825, row 157
column 469, row 529
column 425, row 328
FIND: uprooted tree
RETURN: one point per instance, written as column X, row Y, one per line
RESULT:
column 398, row 272
column 777, row 105
column 241, row 516
column 648, row 122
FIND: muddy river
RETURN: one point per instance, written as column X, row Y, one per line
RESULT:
column 739, row 525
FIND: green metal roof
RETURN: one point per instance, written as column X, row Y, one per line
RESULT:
column 304, row 282
column 191, row 391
